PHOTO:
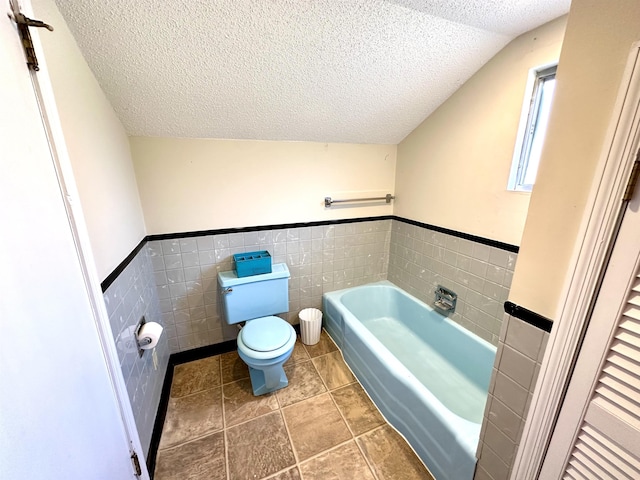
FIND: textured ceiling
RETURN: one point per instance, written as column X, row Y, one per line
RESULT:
column 360, row 71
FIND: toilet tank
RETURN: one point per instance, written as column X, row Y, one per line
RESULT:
column 255, row 296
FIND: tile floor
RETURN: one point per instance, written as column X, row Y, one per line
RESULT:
column 322, row 426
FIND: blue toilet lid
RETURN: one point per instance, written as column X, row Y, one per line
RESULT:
column 265, row 334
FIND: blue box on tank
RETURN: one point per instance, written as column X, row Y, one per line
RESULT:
column 252, row 263
column 246, row 298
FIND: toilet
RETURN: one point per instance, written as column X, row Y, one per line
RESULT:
column 265, row 341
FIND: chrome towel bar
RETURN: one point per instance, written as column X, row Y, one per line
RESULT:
column 328, row 201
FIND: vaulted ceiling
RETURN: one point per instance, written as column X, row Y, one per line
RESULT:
column 358, row 71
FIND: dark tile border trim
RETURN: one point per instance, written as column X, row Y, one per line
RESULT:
column 485, row 241
column 202, row 352
column 221, row 231
column 163, row 405
column 161, row 415
column 532, row 318
column 106, row 283
column 169, row 236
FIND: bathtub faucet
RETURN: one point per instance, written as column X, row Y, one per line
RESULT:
column 445, row 301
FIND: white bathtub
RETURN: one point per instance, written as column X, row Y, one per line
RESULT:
column 427, row 375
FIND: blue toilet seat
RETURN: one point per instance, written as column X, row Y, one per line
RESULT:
column 266, row 338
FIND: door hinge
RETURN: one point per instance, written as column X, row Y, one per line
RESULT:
column 23, row 22
column 633, row 179
column 136, row 464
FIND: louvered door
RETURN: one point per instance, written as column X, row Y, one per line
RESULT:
column 607, row 445
column 597, row 435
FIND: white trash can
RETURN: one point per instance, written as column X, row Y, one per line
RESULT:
column 310, row 325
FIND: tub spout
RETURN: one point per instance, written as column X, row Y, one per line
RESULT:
column 443, row 305
column 445, row 301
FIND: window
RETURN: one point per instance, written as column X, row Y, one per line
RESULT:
column 532, row 131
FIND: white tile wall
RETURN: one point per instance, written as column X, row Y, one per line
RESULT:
column 421, row 259
column 520, row 352
column 326, row 258
column 132, row 295
column 320, row 259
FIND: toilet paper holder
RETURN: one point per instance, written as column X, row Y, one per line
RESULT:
column 146, row 335
column 141, row 342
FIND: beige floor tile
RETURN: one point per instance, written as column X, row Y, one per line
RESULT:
column 342, row 463
column 325, row 345
column 304, row 382
column 202, row 459
column 258, row 444
column 299, row 354
column 315, row 425
column 259, row 448
column 240, row 404
column 292, row 474
column 192, row 416
column 233, row 368
column 195, row 376
column 359, row 411
column 391, row 457
column 333, row 370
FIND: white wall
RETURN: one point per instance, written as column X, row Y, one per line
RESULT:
column 58, row 414
column 98, row 147
column 453, row 169
column 595, row 51
column 203, row 184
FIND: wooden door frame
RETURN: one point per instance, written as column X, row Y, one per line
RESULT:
column 596, row 236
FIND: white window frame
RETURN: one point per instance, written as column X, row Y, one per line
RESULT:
column 527, row 127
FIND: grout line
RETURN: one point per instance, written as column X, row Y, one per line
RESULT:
column 365, row 456
column 344, row 419
column 191, row 440
column 493, row 397
column 304, row 399
column 199, row 392
column 326, row 386
column 224, row 429
column 293, row 448
column 253, row 418
column 286, row 469
column 198, row 437
column 235, row 381
column 354, row 437
column 275, row 394
column 327, row 391
column 335, row 447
